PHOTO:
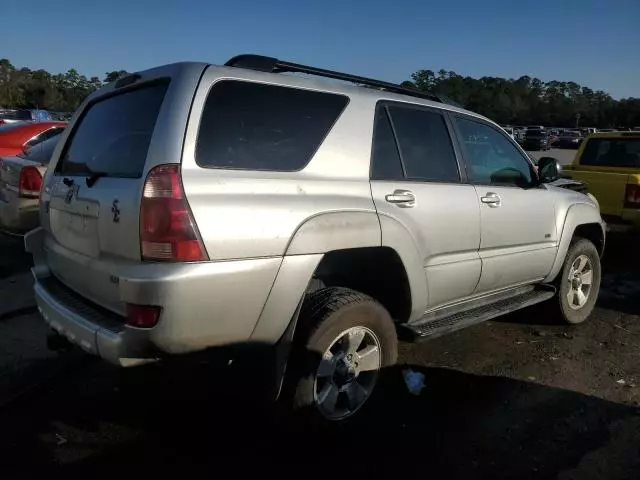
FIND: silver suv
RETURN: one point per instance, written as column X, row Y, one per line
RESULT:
column 193, row 207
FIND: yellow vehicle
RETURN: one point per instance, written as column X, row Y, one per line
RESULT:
column 609, row 163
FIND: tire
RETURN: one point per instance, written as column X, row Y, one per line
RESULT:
column 338, row 316
column 575, row 312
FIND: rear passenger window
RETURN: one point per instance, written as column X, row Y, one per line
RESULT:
column 254, row 126
column 612, row 152
column 425, row 145
column 385, row 160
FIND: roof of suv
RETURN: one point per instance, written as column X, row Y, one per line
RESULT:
column 361, row 86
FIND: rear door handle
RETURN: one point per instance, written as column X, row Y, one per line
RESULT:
column 491, row 199
column 402, row 198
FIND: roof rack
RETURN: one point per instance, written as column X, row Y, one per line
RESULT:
column 273, row 65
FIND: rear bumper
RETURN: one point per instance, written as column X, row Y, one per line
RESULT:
column 92, row 330
column 203, row 304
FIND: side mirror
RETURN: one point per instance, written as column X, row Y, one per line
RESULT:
column 549, row 169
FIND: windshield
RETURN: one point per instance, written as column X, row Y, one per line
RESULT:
column 535, row 133
column 42, row 151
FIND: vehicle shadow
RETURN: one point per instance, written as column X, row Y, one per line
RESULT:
column 620, row 288
column 162, row 422
column 13, row 258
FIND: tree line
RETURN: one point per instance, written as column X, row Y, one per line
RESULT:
column 61, row 92
column 530, row 101
column 522, row 101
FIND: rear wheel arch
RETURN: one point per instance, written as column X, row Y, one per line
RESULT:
column 378, row 272
column 334, row 249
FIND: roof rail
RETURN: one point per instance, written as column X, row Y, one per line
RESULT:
column 273, row 65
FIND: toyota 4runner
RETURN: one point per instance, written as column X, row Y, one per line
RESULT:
column 193, row 207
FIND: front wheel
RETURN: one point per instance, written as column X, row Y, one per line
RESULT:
column 345, row 341
column 579, row 282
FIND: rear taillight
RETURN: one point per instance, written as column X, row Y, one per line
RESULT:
column 632, row 196
column 167, row 231
column 30, row 182
column 142, row 316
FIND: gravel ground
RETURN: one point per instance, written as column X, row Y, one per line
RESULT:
column 520, row 397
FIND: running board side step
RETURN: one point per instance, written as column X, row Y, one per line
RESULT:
column 430, row 327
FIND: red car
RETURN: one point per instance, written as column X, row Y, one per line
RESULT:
column 15, row 138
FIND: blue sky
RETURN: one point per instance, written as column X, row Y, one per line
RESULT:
column 592, row 42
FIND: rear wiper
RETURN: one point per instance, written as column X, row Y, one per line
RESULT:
column 93, row 178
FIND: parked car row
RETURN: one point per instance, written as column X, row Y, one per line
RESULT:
column 538, row 137
column 25, row 115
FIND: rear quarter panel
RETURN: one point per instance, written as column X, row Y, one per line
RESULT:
column 249, row 214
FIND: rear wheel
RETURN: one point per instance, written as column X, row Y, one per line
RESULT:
column 345, row 340
column 579, row 281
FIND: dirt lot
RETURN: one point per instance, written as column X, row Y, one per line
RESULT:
column 520, row 397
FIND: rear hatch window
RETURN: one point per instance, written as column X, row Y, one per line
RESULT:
column 112, row 137
column 612, row 152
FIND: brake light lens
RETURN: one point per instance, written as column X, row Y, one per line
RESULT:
column 632, row 196
column 30, row 182
column 167, row 230
column 142, row 316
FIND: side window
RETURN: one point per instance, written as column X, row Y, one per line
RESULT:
column 254, row 126
column 385, row 159
column 612, row 152
column 492, row 159
column 425, row 145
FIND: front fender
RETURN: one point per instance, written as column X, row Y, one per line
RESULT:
column 578, row 214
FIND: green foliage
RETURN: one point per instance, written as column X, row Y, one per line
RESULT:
column 530, row 101
column 62, row 92
column 519, row 101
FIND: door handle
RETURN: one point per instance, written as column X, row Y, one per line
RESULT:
column 402, row 198
column 491, row 199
